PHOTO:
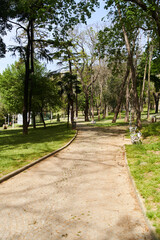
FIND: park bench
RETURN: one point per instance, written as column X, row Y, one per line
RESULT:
column 155, row 118
column 135, row 136
column 5, row 126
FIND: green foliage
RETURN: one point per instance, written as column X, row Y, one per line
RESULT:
column 68, row 83
column 81, row 101
column 112, row 93
column 3, row 113
column 155, row 72
column 44, row 89
column 131, row 17
column 111, row 43
column 55, row 16
column 149, row 11
column 11, row 88
column 156, row 61
column 4, row 14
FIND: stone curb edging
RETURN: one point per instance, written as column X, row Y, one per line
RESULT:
column 12, row 174
column 141, row 204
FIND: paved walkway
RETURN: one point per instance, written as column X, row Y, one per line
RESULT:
column 82, row 193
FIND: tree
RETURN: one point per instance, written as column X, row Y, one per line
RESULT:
column 55, row 16
column 100, row 90
column 69, row 86
column 155, row 73
column 63, row 54
column 130, row 51
column 3, row 112
column 145, row 61
column 149, row 76
column 111, row 44
column 151, row 14
column 125, row 28
column 149, row 69
column 11, row 87
column 76, row 53
column 5, row 12
column 85, row 61
column 44, row 92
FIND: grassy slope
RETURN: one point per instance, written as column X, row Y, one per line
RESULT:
column 17, row 150
column 144, row 162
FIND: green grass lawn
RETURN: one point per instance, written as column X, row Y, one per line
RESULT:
column 17, row 150
column 144, row 163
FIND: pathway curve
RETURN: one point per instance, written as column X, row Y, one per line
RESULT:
column 81, row 193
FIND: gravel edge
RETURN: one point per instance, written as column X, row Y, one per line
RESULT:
column 12, row 174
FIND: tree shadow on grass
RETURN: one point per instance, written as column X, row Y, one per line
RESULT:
column 41, row 135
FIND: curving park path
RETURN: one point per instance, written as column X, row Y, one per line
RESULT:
column 81, row 193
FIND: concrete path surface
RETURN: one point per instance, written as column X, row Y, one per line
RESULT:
column 81, row 193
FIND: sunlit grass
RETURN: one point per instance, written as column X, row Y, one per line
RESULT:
column 17, row 150
column 144, row 162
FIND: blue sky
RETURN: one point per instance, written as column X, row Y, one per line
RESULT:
column 8, row 60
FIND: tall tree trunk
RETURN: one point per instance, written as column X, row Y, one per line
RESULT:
column 133, row 113
column 121, row 95
column 72, row 111
column 127, row 101
column 71, row 93
column 99, row 113
column 120, row 115
column 107, row 110
column 97, row 108
column 100, row 100
column 76, row 105
column 156, row 99
column 143, row 85
column 86, row 106
column 149, row 77
column 26, row 84
column 32, row 67
column 144, row 81
column 133, row 72
column 92, row 107
column 135, row 93
column 136, row 100
column 104, row 111
column 41, row 114
column 34, row 119
column 68, row 113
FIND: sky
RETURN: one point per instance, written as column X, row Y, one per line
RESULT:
column 9, row 40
